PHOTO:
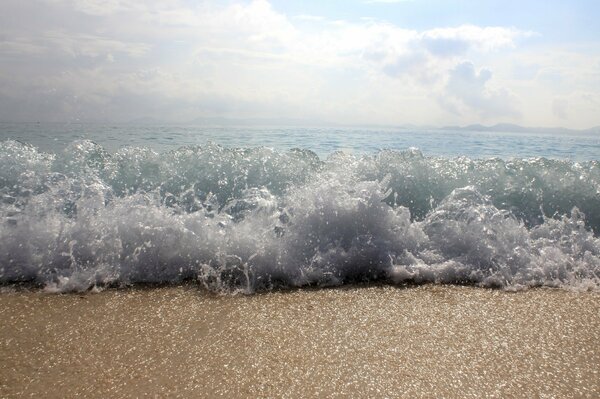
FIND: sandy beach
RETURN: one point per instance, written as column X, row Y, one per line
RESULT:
column 350, row 342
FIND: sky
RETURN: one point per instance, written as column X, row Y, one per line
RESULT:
column 377, row 62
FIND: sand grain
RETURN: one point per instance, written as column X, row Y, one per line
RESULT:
column 360, row 342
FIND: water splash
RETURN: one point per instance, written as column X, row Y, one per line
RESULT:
column 254, row 219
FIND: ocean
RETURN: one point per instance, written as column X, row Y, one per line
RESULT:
column 252, row 209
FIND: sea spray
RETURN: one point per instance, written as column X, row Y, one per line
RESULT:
column 252, row 219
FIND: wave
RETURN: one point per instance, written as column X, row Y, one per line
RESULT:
column 256, row 219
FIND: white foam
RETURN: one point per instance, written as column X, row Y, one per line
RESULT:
column 254, row 219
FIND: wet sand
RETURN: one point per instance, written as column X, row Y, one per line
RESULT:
column 427, row 341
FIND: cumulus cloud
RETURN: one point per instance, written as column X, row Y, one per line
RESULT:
column 481, row 38
column 467, row 91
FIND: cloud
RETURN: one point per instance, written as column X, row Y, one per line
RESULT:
column 560, row 107
column 444, row 47
column 124, row 59
column 525, row 71
column 99, row 8
column 427, row 56
column 481, row 38
column 88, row 45
column 467, row 91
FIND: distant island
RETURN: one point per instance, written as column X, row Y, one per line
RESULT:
column 499, row 127
column 512, row 128
column 297, row 122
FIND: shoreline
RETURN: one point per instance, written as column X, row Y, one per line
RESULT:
column 361, row 341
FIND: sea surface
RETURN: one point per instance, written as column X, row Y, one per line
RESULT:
column 247, row 209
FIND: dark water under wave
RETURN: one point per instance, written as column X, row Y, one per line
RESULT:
column 256, row 218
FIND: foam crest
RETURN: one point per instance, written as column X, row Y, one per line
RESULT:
column 254, row 219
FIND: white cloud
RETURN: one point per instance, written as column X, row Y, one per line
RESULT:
column 467, row 91
column 100, row 8
column 181, row 59
column 559, row 108
column 480, row 38
column 91, row 45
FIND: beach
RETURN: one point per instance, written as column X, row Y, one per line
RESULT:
column 358, row 341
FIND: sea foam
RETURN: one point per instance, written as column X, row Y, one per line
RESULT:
column 245, row 220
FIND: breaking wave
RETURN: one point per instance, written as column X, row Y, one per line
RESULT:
column 255, row 219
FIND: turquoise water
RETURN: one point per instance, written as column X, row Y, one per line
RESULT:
column 251, row 209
